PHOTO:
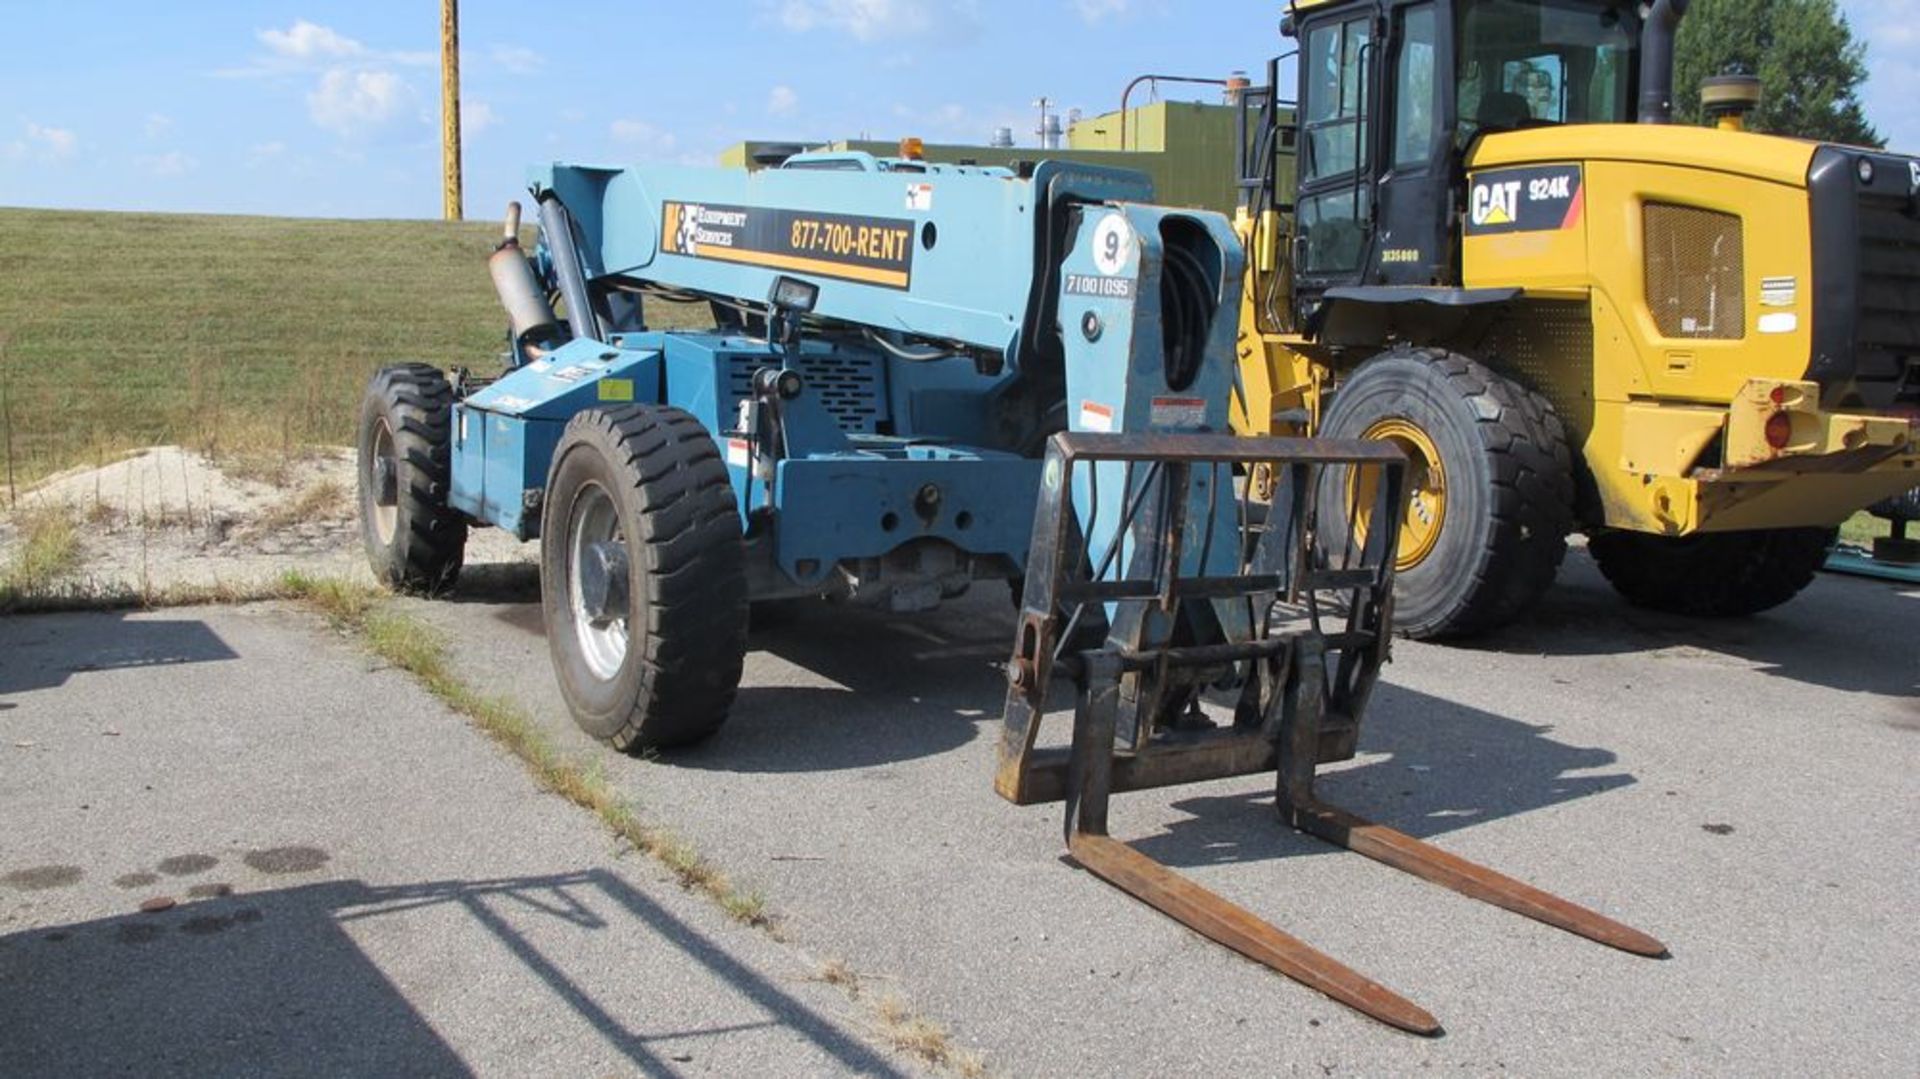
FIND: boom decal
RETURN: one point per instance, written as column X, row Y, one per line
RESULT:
column 871, row 250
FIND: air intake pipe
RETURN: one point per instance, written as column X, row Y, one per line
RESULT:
column 1656, row 60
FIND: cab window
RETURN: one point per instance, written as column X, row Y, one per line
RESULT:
column 1334, row 204
column 1413, row 89
column 1543, row 62
column 1336, row 106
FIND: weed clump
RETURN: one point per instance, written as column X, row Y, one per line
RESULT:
column 46, row 551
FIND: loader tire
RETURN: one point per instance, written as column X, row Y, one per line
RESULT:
column 415, row 541
column 1712, row 574
column 1490, row 487
column 643, row 577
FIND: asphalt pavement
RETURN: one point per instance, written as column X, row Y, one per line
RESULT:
column 1745, row 791
column 359, row 882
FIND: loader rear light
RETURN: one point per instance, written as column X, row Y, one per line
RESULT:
column 1779, row 429
column 1778, row 395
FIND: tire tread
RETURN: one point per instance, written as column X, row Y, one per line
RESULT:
column 427, row 557
column 693, row 649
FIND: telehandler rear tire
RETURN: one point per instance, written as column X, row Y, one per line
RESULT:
column 1712, row 574
column 643, row 577
column 415, row 542
column 1490, row 488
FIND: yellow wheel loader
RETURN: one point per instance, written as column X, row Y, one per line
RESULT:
column 1475, row 234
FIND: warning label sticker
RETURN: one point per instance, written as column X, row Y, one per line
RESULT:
column 1182, row 413
column 870, row 250
column 1095, row 416
column 1539, row 198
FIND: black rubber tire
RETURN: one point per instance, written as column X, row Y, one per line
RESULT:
column 1509, row 475
column 413, row 403
column 1904, row 507
column 1712, row 574
column 687, row 580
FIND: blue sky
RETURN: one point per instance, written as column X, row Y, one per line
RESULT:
column 330, row 109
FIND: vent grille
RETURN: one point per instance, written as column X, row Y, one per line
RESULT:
column 1695, row 272
column 1889, row 292
column 848, row 384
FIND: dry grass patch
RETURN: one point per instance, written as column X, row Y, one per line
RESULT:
column 919, row 1036
column 46, row 551
column 87, row 595
column 836, row 973
column 323, row 501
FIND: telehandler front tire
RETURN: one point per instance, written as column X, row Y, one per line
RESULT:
column 1712, row 574
column 1490, row 488
column 643, row 577
column 415, row 542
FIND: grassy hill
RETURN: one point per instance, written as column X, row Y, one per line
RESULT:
column 241, row 335
column 245, row 336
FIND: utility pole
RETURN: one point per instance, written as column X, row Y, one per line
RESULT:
column 451, row 201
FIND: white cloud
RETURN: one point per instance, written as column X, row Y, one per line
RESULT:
column 874, row 20
column 44, row 145
column 158, row 124
column 643, row 137
column 782, row 101
column 1093, row 11
column 307, row 46
column 355, row 104
column 517, row 59
column 262, row 152
column 476, row 117
column 1096, row 12
column 170, row 164
column 304, row 40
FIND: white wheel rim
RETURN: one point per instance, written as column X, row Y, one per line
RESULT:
column 603, row 642
column 385, row 517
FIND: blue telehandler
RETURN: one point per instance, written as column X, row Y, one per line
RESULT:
column 919, row 377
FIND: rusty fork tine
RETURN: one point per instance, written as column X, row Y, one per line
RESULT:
column 1221, row 921
column 1405, row 853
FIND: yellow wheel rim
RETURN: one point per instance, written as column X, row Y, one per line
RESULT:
column 1426, row 492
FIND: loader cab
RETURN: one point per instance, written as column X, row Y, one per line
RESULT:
column 1393, row 96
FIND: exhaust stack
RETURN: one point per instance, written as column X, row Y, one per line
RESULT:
column 1656, row 60
column 528, row 312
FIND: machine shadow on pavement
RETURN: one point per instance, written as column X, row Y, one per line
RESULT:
column 271, row 982
column 1427, row 766
column 918, row 687
column 44, row 651
column 1843, row 633
column 905, row 687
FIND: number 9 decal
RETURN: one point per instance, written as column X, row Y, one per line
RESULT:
column 1112, row 244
